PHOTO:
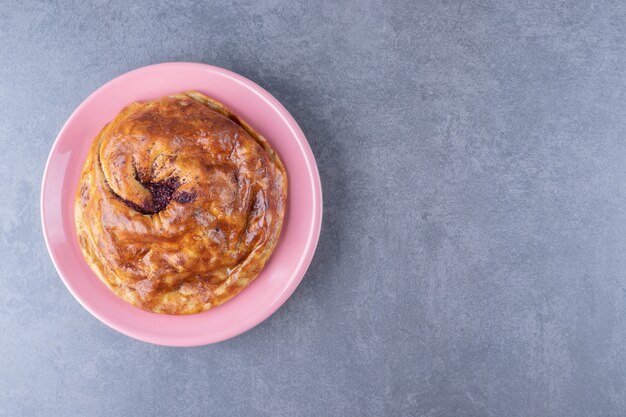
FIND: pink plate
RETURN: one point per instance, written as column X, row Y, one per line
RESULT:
column 300, row 233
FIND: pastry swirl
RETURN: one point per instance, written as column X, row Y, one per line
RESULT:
column 180, row 204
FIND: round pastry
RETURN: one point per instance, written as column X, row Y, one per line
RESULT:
column 180, row 204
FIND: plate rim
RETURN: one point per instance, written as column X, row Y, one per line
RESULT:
column 312, row 239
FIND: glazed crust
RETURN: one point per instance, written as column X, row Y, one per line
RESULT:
column 180, row 204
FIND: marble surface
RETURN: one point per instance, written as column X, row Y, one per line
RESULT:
column 472, row 260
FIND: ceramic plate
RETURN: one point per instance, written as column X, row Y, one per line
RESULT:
column 290, row 259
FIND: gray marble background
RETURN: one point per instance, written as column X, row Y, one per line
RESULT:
column 472, row 260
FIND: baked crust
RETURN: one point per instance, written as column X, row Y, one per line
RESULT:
column 180, row 204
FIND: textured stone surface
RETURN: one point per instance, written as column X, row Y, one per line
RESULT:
column 473, row 255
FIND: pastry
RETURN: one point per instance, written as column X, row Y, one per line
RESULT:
column 180, row 204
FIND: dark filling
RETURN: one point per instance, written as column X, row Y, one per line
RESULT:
column 162, row 193
column 185, row 197
column 133, row 205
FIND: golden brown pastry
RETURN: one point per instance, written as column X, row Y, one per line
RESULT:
column 180, row 204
